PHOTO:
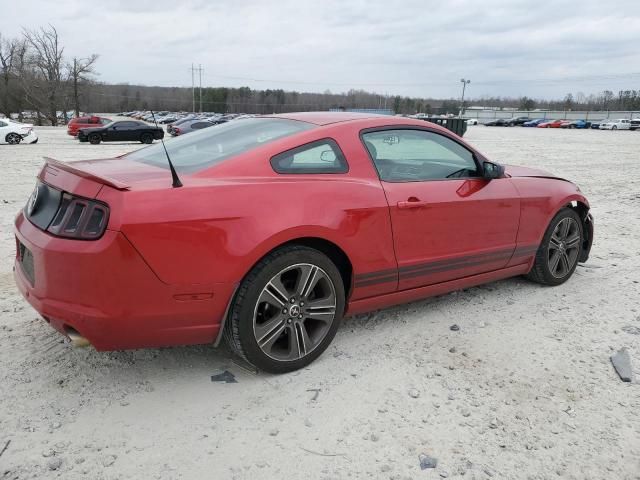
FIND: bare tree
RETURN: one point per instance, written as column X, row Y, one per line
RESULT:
column 46, row 58
column 10, row 51
column 79, row 71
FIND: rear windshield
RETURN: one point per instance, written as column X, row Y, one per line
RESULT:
column 204, row 148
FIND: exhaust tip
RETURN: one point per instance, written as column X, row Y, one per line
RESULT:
column 76, row 339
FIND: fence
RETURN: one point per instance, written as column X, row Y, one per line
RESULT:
column 486, row 115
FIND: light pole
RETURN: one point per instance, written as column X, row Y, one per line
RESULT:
column 464, row 86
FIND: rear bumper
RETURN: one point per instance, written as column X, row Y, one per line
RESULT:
column 105, row 291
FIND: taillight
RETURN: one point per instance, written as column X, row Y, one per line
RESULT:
column 79, row 218
column 176, row 130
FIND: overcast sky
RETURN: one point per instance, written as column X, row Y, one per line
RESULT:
column 412, row 47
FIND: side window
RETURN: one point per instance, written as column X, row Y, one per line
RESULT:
column 2, row 124
column 418, row 155
column 104, row 121
column 322, row 156
column 199, row 125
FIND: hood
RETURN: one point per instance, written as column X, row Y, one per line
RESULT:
column 517, row 171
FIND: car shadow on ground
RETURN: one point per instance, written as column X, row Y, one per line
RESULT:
column 203, row 361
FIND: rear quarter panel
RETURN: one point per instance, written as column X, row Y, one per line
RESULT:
column 216, row 233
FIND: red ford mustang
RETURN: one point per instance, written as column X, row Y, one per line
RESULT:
column 276, row 227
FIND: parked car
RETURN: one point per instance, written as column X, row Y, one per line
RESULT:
column 619, row 124
column 267, row 242
column 550, row 124
column 635, row 124
column 179, row 122
column 13, row 132
column 472, row 121
column 534, row 123
column 191, row 126
column 499, row 122
column 76, row 124
column 518, row 121
column 168, row 119
column 595, row 124
column 576, row 124
column 122, row 131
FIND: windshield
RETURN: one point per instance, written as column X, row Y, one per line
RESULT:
column 209, row 146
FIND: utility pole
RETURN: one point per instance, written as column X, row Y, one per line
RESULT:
column 464, row 86
column 200, row 71
column 193, row 91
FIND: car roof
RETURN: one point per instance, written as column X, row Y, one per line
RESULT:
column 326, row 118
column 365, row 120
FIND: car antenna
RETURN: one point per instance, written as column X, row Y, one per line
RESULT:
column 174, row 175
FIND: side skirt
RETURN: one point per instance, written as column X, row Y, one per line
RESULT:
column 405, row 296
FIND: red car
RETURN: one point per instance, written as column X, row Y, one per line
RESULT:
column 76, row 124
column 551, row 124
column 270, row 229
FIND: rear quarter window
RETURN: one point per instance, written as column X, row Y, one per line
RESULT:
column 322, row 156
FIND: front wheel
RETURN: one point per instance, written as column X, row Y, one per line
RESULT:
column 13, row 139
column 614, row 128
column 287, row 310
column 557, row 256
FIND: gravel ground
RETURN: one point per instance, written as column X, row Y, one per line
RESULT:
column 524, row 389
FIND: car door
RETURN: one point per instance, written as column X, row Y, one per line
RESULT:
column 133, row 131
column 448, row 222
column 121, row 131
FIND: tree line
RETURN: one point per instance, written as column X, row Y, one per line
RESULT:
column 36, row 76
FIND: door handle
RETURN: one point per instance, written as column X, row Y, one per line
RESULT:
column 412, row 202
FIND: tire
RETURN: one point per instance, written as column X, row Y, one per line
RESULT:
column 558, row 254
column 13, row 139
column 614, row 127
column 94, row 139
column 146, row 138
column 262, row 327
column 572, row 127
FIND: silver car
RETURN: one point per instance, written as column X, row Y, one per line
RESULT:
column 191, row 126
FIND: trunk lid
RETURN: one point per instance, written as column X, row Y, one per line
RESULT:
column 87, row 177
column 119, row 173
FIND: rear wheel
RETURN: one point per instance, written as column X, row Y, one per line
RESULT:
column 94, row 139
column 146, row 138
column 557, row 256
column 614, row 127
column 13, row 139
column 287, row 310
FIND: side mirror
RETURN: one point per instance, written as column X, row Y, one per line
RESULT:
column 492, row 170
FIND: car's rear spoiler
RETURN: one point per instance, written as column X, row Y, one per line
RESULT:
column 85, row 172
